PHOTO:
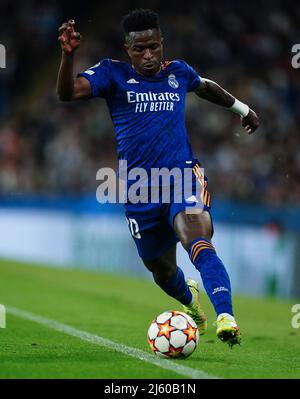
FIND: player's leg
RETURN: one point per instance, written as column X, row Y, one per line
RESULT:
column 169, row 277
column 156, row 244
column 195, row 232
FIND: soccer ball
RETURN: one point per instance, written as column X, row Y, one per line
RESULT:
column 173, row 334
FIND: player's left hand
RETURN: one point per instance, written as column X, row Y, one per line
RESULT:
column 250, row 122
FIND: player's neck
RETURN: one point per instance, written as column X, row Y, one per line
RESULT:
column 142, row 74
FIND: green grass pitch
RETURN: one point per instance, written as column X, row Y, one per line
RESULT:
column 121, row 309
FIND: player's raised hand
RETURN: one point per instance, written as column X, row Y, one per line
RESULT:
column 68, row 38
column 250, row 122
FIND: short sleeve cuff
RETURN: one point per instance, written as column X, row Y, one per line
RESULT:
column 91, row 81
column 195, row 83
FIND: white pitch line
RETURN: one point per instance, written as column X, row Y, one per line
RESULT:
column 127, row 350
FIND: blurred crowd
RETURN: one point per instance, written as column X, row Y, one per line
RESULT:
column 52, row 147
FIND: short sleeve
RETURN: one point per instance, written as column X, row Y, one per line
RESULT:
column 193, row 78
column 99, row 77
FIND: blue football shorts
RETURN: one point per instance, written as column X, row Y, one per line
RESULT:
column 151, row 224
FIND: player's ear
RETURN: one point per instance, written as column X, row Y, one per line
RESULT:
column 126, row 46
column 127, row 43
column 162, row 43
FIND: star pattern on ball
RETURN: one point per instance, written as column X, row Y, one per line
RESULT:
column 165, row 329
column 191, row 333
column 174, row 352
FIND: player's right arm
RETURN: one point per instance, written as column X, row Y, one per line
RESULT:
column 70, row 88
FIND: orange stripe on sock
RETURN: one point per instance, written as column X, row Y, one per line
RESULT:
column 199, row 244
column 201, row 241
column 199, row 250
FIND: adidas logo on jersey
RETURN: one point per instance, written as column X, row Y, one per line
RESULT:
column 132, row 81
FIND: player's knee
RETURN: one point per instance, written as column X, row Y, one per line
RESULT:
column 163, row 268
column 191, row 227
column 188, row 237
column 161, row 273
column 163, row 276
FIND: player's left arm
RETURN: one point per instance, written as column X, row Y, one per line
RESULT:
column 214, row 93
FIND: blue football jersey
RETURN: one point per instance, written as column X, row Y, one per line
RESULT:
column 148, row 113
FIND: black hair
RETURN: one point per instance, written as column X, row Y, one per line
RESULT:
column 140, row 19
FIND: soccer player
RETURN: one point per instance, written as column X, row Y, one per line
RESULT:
column 146, row 101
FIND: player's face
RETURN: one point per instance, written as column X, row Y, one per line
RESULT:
column 145, row 51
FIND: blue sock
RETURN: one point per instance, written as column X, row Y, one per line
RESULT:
column 176, row 287
column 213, row 273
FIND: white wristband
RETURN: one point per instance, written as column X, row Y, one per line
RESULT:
column 240, row 108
